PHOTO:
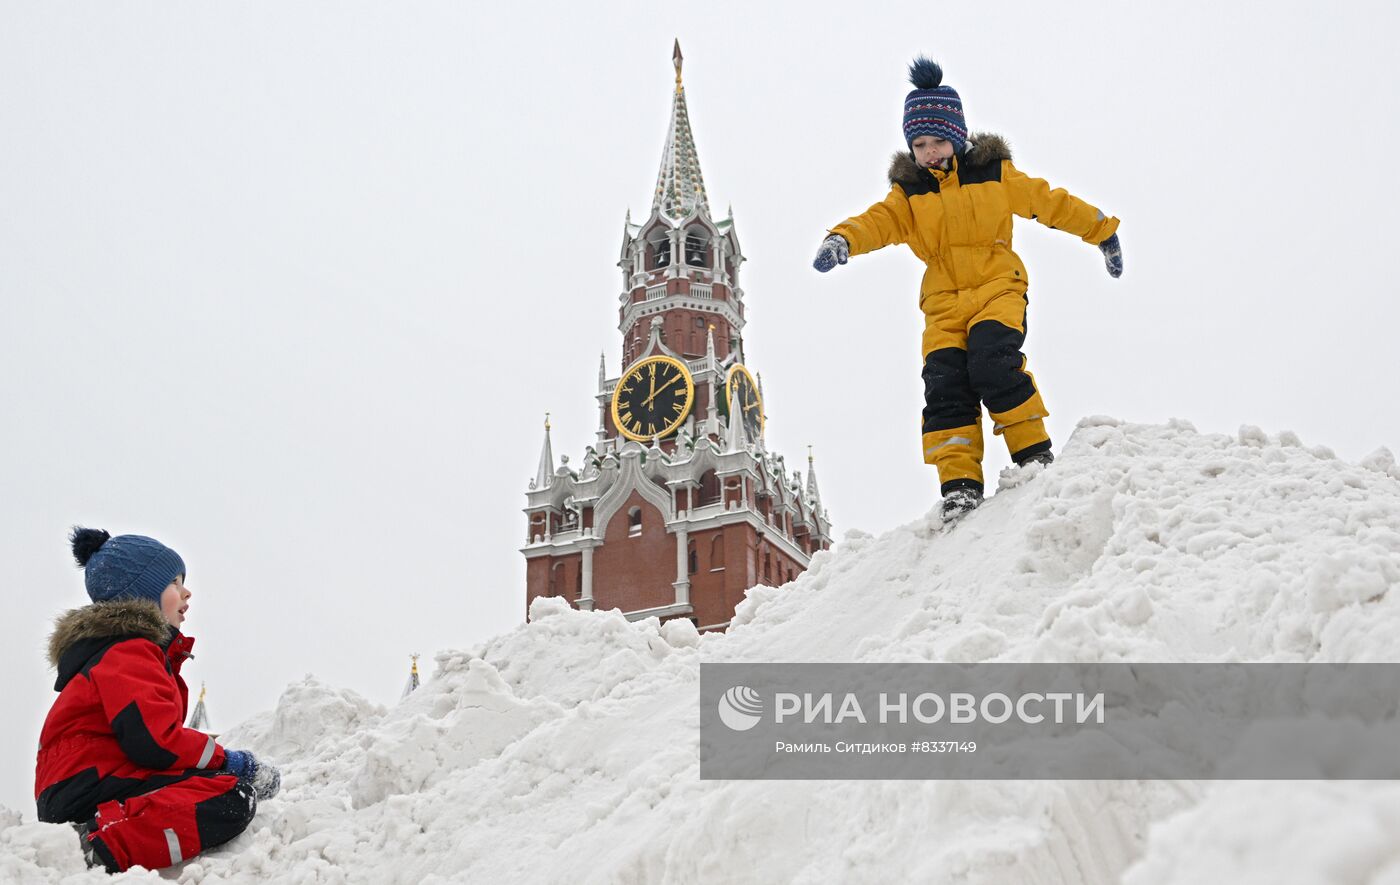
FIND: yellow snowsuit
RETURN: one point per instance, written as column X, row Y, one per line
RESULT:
column 958, row 221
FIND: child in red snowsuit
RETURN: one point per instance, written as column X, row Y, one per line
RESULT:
column 114, row 757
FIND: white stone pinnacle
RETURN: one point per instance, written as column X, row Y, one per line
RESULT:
column 545, row 474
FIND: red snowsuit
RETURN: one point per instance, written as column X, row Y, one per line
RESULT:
column 114, row 748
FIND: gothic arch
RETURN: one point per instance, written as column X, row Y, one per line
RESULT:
column 630, row 478
column 656, row 240
column 697, row 242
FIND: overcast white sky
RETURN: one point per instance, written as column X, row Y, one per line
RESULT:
column 290, row 286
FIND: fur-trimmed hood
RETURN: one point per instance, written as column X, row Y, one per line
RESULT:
column 982, row 148
column 80, row 633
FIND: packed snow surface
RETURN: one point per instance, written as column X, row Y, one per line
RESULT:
column 566, row 749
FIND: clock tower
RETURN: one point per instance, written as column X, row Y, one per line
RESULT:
column 678, row 507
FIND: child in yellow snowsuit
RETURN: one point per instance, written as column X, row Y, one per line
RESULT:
column 951, row 200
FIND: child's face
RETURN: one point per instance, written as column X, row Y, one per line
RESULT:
column 175, row 601
column 930, row 151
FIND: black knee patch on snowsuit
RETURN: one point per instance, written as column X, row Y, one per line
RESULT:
column 222, row 817
column 994, row 361
column 949, row 400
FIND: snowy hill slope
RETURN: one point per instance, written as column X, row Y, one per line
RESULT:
column 566, row 749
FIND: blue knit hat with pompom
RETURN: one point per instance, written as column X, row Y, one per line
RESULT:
column 124, row 567
column 932, row 108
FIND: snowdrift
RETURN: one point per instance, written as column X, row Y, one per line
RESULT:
column 566, row 749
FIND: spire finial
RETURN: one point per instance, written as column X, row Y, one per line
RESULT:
column 201, row 692
column 546, row 420
column 677, row 59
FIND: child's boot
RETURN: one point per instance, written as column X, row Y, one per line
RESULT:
column 1043, row 458
column 94, row 852
column 960, row 501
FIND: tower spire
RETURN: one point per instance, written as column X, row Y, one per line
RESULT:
column 680, row 189
column 413, row 681
column 544, row 475
column 812, row 491
column 199, row 719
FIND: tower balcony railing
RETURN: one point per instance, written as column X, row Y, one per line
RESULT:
column 697, row 290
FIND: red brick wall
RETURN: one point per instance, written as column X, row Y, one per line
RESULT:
column 679, row 326
column 634, row 572
column 537, row 578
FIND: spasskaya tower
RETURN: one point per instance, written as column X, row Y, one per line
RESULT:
column 677, row 507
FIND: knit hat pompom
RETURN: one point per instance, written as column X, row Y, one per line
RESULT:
column 87, row 542
column 925, row 73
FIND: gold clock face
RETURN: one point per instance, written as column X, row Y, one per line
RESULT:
column 742, row 384
column 653, row 398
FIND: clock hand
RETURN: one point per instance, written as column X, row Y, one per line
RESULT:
column 647, row 401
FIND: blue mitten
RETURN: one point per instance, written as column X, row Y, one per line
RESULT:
column 265, row 779
column 1112, row 256
column 238, row 763
column 834, row 250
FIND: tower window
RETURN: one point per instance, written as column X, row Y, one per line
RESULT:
column 634, row 522
column 709, row 488
column 697, row 247
column 661, row 252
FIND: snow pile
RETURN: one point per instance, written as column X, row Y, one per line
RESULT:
column 566, row 750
